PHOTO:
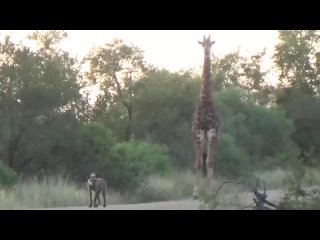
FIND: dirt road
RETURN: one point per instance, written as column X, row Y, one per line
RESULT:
column 189, row 204
column 168, row 205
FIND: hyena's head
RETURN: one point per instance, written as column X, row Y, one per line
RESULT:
column 92, row 179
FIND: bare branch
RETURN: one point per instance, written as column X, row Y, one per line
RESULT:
column 220, row 187
column 24, row 164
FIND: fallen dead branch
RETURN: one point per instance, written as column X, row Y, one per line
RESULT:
column 259, row 201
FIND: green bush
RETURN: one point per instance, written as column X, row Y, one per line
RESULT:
column 232, row 161
column 133, row 161
column 7, row 176
column 87, row 147
column 254, row 137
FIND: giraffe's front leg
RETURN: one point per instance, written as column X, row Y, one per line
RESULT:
column 198, row 153
column 198, row 170
column 210, row 157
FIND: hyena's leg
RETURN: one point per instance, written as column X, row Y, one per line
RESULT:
column 97, row 198
column 104, row 197
column 90, row 195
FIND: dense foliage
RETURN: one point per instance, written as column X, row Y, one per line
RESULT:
column 140, row 122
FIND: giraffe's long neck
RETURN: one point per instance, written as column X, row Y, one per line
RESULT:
column 206, row 95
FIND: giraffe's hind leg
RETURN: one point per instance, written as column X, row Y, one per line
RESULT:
column 198, row 172
column 204, row 165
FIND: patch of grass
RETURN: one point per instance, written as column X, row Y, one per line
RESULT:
column 224, row 195
column 232, row 195
column 59, row 191
column 50, row 192
column 180, row 186
column 301, row 199
column 274, row 179
column 303, row 192
column 279, row 178
column 177, row 186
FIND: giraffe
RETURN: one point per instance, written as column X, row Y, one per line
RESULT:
column 205, row 123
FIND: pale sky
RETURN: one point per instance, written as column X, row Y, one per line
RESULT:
column 170, row 49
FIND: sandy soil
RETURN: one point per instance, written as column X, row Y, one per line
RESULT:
column 229, row 201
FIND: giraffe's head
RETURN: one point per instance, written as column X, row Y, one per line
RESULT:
column 206, row 43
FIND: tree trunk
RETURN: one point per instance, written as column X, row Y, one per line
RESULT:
column 129, row 130
column 12, row 150
column 24, row 164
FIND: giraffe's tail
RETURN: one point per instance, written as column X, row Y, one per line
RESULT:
column 204, row 164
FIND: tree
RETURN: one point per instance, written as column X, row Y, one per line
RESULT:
column 115, row 68
column 226, row 71
column 245, row 73
column 36, row 87
column 254, row 79
column 298, row 61
column 164, row 103
column 304, row 110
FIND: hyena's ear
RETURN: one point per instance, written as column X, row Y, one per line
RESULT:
column 96, row 175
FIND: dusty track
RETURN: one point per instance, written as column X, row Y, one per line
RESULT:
column 189, row 204
column 168, row 205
